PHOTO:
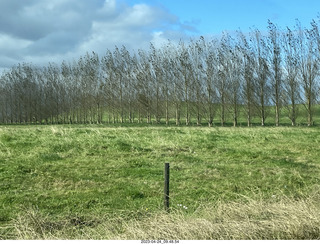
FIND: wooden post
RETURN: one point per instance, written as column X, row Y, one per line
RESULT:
column 166, row 186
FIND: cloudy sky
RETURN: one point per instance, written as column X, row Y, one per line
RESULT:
column 42, row 31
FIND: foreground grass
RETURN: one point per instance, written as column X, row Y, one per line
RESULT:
column 284, row 219
column 96, row 182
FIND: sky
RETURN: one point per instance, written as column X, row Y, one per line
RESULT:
column 43, row 31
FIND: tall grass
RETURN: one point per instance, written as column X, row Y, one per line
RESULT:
column 256, row 219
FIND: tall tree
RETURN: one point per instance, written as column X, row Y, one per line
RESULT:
column 223, row 84
column 197, row 76
column 275, row 69
column 169, row 77
column 119, row 68
column 211, row 74
column 248, row 86
column 157, row 78
column 144, row 85
column 261, row 74
column 309, row 67
column 110, row 86
column 292, row 89
column 184, row 67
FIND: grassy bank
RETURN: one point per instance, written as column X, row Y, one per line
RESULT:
column 98, row 182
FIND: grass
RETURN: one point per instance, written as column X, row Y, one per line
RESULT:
column 100, row 182
column 284, row 219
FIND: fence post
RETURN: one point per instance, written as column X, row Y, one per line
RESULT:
column 166, row 186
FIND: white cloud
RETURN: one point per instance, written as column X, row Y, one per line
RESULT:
column 42, row 31
column 109, row 7
column 9, row 43
column 11, row 49
column 139, row 15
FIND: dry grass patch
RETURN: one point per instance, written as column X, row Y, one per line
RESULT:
column 281, row 219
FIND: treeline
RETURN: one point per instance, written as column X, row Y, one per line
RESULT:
column 198, row 80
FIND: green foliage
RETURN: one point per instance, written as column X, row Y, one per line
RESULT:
column 77, row 173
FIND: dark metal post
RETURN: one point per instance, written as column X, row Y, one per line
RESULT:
column 166, row 186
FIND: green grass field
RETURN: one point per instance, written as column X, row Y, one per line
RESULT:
column 100, row 182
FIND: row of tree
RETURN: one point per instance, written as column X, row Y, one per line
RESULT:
column 198, row 80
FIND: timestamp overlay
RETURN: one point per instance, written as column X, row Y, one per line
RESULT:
column 159, row 241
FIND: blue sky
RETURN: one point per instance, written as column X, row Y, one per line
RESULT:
column 42, row 31
column 211, row 17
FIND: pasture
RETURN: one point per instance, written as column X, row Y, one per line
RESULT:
column 106, row 182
